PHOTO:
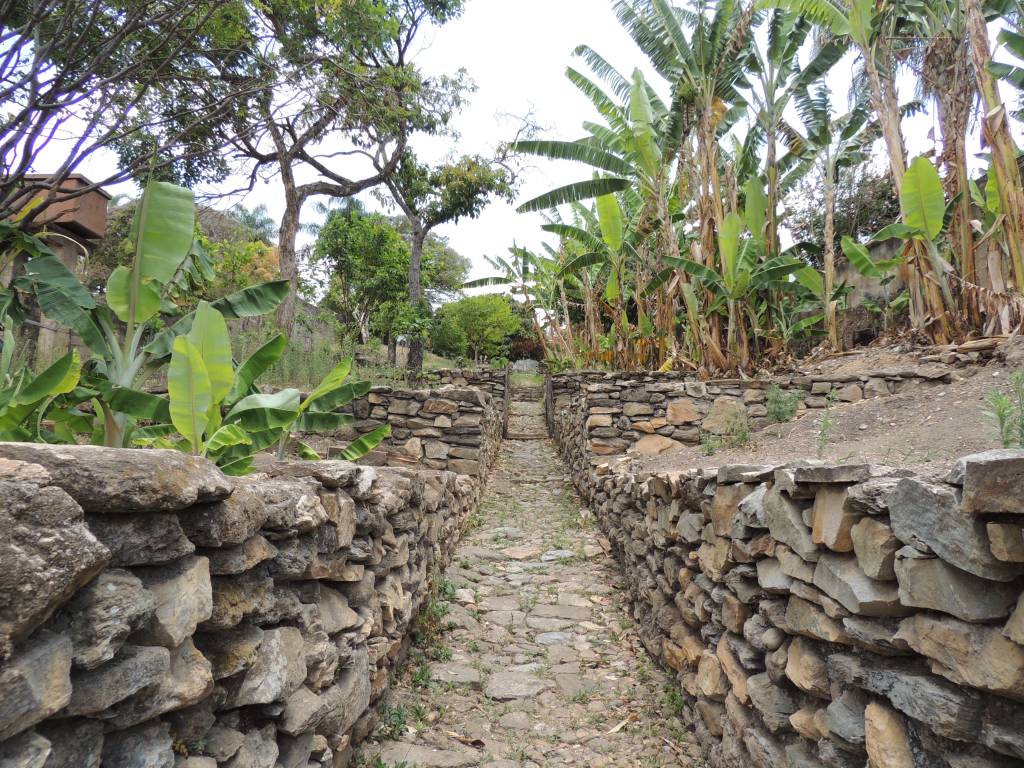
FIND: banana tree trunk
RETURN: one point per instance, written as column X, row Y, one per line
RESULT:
column 955, row 89
column 926, row 299
column 831, row 321
column 997, row 134
column 772, row 224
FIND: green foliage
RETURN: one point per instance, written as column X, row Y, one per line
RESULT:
column 133, row 337
column 781, row 406
column 447, row 337
column 392, row 723
column 487, row 322
column 865, row 202
column 1006, row 412
column 26, row 400
column 362, row 263
column 737, row 434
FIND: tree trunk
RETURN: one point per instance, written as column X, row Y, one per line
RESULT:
column 925, row 296
column 419, row 235
column 286, row 256
column 831, row 321
column 392, row 349
column 950, row 78
column 997, row 133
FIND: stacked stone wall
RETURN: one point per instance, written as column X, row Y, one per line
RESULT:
column 824, row 615
column 458, row 428
column 156, row 613
column 655, row 412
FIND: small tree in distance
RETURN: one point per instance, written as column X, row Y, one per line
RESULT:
column 429, row 196
column 487, row 322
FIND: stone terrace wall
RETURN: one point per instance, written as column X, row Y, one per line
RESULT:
column 656, row 412
column 819, row 614
column 458, row 428
column 156, row 613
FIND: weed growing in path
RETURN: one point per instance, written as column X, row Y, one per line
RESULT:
column 826, row 424
column 781, row 406
column 392, row 723
column 1006, row 412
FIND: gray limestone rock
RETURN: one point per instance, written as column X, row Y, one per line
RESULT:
column 931, row 583
column 146, row 746
column 924, row 513
column 786, row 523
column 47, row 553
column 120, row 480
column 183, row 600
column 35, row 683
column 841, row 578
column 134, row 668
column 141, row 539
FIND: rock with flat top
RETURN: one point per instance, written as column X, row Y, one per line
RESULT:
column 124, row 480
column 932, row 584
column 147, row 746
column 509, row 686
column 655, row 445
column 991, row 481
column 969, row 654
column 928, row 514
column 134, row 668
column 401, row 753
column 839, row 577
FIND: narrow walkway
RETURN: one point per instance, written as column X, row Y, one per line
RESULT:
column 527, row 657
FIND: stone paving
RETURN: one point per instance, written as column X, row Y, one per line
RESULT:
column 527, row 656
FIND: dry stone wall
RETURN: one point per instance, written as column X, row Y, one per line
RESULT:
column 825, row 615
column 155, row 613
column 457, row 428
column 653, row 413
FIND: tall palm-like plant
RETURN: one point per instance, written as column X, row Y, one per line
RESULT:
column 775, row 78
column 829, row 144
column 942, row 60
column 873, row 28
column 636, row 144
column 704, row 53
column 997, row 133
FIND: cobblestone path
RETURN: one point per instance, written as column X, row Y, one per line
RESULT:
column 527, row 656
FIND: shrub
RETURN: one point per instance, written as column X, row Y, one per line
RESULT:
column 447, row 338
column 782, row 406
column 1006, row 412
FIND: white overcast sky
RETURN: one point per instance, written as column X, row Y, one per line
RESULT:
column 516, row 54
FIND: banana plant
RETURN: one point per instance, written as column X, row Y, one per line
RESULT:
column 128, row 337
column 744, row 277
column 26, row 400
column 276, row 417
column 925, row 217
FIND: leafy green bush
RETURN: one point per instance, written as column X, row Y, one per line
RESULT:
column 447, row 337
column 782, row 406
column 1006, row 412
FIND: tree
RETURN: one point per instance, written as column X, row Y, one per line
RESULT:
column 487, row 322
column 150, row 81
column 875, row 30
column 343, row 71
column 832, row 145
column 447, row 337
column 706, row 70
column 429, row 196
column 363, row 262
